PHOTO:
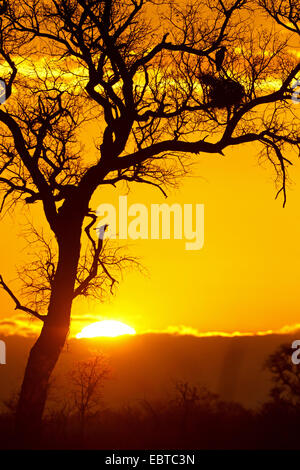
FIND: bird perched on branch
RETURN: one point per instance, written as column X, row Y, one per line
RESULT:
column 3, row 7
column 101, row 231
column 220, row 56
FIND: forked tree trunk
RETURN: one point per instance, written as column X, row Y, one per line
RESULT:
column 46, row 351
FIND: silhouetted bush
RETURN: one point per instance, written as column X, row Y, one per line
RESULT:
column 193, row 418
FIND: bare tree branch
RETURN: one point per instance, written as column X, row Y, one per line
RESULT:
column 18, row 304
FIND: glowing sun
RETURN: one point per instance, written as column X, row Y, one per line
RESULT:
column 108, row 328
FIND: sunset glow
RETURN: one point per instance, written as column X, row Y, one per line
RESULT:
column 108, row 328
column 150, row 226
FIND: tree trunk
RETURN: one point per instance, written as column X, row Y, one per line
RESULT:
column 46, row 351
column 82, row 421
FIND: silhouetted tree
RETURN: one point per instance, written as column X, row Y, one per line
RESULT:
column 189, row 396
column 134, row 68
column 87, row 381
column 285, row 376
column 284, row 12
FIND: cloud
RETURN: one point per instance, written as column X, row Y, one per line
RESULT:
column 20, row 325
column 24, row 325
column 187, row 330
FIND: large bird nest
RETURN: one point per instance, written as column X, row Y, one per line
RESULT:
column 221, row 92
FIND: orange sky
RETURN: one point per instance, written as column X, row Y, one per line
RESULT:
column 246, row 278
